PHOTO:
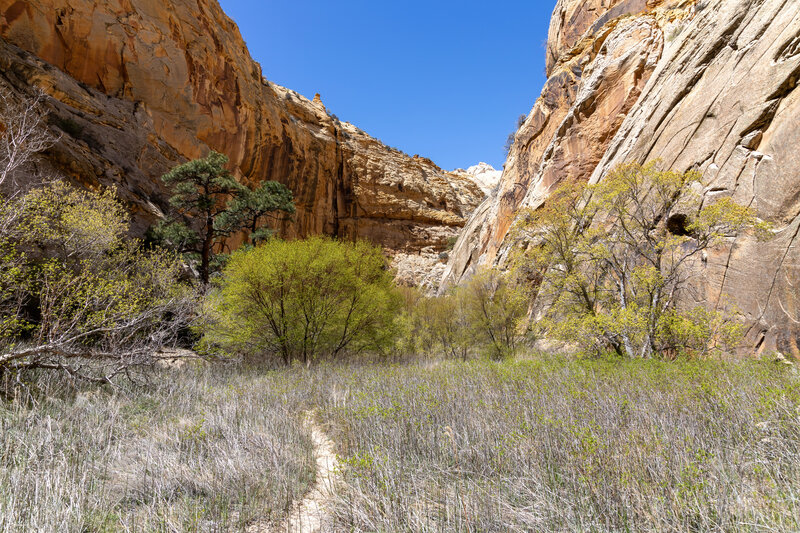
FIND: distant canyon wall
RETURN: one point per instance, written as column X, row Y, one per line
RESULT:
column 138, row 86
column 707, row 85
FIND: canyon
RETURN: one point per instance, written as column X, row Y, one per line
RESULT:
column 137, row 86
column 708, row 86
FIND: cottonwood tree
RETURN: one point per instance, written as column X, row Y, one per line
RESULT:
column 485, row 316
column 213, row 205
column 497, row 308
column 612, row 259
column 304, row 300
column 23, row 135
column 443, row 323
column 76, row 293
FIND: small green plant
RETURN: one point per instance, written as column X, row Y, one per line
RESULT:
column 675, row 33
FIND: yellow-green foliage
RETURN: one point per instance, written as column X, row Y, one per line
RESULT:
column 612, row 260
column 96, row 292
column 304, row 300
column 485, row 316
column 75, row 222
column 498, row 307
column 439, row 325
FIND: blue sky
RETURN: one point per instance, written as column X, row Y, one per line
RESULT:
column 439, row 78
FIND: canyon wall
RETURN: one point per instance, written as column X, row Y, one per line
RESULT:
column 706, row 85
column 138, row 86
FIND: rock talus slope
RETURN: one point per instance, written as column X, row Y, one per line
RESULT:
column 140, row 85
column 700, row 85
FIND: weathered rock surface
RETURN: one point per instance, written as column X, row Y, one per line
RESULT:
column 140, row 85
column 706, row 85
column 484, row 175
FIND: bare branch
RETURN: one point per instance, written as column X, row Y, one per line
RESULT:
column 23, row 135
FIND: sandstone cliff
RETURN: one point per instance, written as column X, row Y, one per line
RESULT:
column 706, row 85
column 140, row 85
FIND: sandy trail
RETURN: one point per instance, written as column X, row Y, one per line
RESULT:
column 308, row 515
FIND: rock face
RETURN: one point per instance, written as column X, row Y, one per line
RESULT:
column 140, row 85
column 484, row 175
column 700, row 85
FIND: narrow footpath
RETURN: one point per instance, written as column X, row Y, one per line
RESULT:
column 309, row 515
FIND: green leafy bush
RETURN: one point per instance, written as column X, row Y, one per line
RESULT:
column 304, row 300
column 497, row 311
column 485, row 316
column 75, row 288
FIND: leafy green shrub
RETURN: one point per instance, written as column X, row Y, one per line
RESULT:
column 442, row 324
column 486, row 316
column 304, row 300
column 497, row 310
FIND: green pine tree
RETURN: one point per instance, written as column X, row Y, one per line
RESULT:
column 248, row 210
column 212, row 204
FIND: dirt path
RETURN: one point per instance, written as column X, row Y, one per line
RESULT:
column 308, row 515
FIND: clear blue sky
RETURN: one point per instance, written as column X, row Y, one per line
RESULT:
column 441, row 78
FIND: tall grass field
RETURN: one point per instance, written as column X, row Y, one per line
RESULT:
column 546, row 444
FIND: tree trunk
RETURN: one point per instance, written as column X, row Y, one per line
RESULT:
column 205, row 265
column 287, row 360
column 626, row 341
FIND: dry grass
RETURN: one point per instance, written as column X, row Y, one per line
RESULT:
column 193, row 450
column 552, row 445
column 543, row 445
